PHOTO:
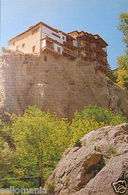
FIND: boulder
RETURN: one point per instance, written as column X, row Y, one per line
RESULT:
column 95, row 166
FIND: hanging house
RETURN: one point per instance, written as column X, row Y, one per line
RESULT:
column 42, row 37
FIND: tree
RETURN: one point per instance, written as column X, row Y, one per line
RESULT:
column 40, row 140
column 123, row 26
column 123, row 60
column 123, row 71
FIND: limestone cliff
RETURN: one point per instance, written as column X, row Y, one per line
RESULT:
column 55, row 83
column 98, row 167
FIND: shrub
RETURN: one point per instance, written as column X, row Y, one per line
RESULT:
column 77, row 143
column 93, row 118
column 4, row 49
column 100, row 115
column 50, row 187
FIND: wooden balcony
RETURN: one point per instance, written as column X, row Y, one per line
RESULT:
column 69, row 53
column 50, row 46
column 69, row 45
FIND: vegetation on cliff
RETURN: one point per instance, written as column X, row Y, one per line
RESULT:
column 41, row 138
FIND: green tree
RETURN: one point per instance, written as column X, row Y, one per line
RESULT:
column 123, row 71
column 40, row 140
column 123, row 60
column 123, row 26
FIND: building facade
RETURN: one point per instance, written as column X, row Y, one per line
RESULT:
column 41, row 37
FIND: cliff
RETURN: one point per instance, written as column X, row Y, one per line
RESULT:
column 97, row 167
column 55, row 83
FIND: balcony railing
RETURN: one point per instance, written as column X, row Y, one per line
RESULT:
column 69, row 45
column 50, row 49
column 69, row 52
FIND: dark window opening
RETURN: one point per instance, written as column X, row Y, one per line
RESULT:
column 78, row 43
column 23, row 45
column 56, row 35
column 45, row 58
column 33, row 48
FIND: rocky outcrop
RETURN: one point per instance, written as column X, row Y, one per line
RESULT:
column 55, row 83
column 95, row 166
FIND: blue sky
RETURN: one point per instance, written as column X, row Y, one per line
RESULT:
column 93, row 16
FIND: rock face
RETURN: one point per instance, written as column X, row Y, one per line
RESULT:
column 92, row 168
column 55, row 83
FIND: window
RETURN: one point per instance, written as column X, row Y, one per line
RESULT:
column 45, row 58
column 78, row 43
column 33, row 48
column 79, row 53
column 56, row 35
column 23, row 45
column 63, row 38
column 13, row 43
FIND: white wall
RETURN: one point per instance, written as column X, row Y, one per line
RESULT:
column 48, row 32
column 44, row 43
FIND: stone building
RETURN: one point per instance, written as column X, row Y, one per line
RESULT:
column 41, row 37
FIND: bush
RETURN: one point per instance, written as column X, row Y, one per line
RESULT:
column 77, row 143
column 100, row 115
column 50, row 187
column 4, row 49
column 93, row 118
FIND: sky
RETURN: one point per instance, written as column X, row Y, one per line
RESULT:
column 93, row 16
